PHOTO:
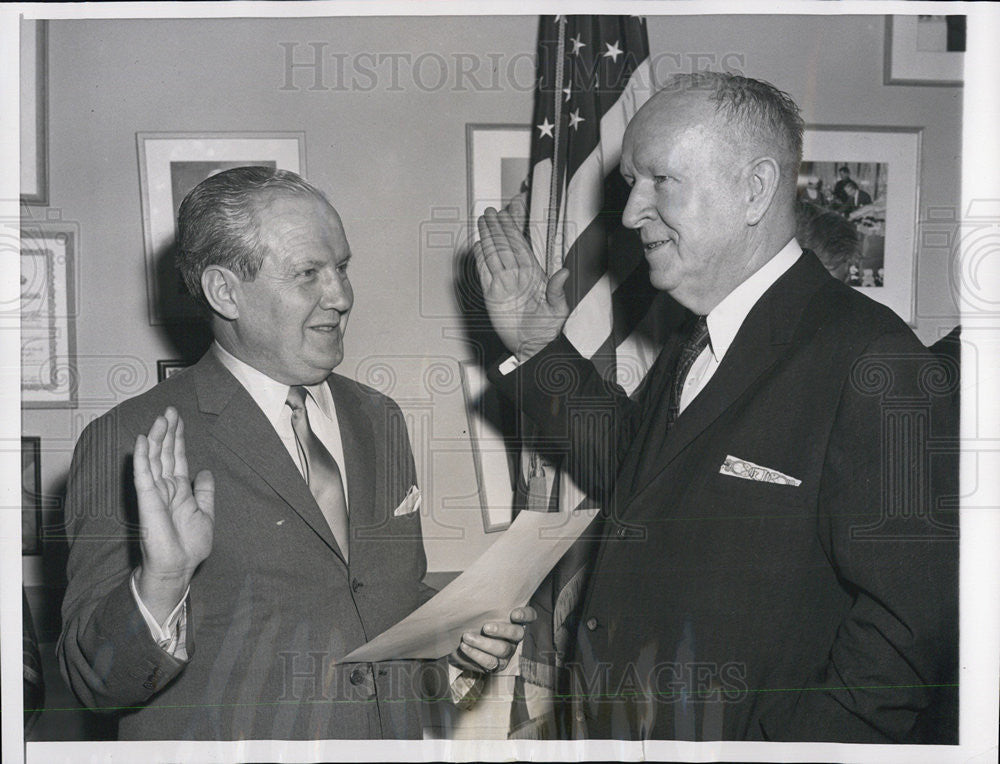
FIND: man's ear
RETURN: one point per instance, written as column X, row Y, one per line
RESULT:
column 762, row 176
column 221, row 288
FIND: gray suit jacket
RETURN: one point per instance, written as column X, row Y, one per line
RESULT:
column 274, row 604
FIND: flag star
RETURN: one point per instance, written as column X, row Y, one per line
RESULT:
column 612, row 52
column 568, row 90
column 575, row 119
column 545, row 128
column 577, row 45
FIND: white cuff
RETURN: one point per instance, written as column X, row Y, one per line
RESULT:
column 509, row 365
column 172, row 635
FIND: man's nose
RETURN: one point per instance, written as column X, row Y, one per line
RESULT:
column 337, row 293
column 636, row 208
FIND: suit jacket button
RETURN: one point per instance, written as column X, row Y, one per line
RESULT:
column 148, row 685
column 355, row 585
column 357, row 676
column 592, row 624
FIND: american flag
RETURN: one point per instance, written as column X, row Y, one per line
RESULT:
column 594, row 74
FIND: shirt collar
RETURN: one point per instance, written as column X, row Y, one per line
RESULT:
column 726, row 318
column 269, row 394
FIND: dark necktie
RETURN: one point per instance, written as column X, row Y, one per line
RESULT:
column 322, row 472
column 690, row 350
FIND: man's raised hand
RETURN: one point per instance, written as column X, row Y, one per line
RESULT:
column 526, row 309
column 177, row 522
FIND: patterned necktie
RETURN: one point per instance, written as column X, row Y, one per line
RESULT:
column 695, row 343
column 322, row 472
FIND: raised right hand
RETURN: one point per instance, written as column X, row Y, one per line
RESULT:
column 526, row 309
column 177, row 522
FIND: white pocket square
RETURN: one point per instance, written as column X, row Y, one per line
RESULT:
column 409, row 504
column 741, row 468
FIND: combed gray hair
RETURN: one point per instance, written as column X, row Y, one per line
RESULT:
column 762, row 112
column 218, row 222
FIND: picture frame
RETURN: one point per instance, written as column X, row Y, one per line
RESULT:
column 31, row 495
column 34, row 112
column 49, row 251
column 490, row 455
column 498, row 160
column 170, row 165
column 895, row 151
column 913, row 57
column 168, row 367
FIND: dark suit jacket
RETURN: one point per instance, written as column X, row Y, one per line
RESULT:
column 274, row 604
column 728, row 608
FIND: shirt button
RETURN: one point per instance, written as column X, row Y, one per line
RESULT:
column 357, row 676
column 592, row 624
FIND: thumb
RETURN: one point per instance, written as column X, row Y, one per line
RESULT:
column 555, row 291
column 204, row 492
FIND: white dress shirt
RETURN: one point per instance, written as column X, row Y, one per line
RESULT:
column 726, row 318
column 270, row 396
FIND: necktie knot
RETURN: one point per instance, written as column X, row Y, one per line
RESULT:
column 296, row 399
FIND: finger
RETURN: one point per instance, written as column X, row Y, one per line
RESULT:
column 555, row 291
column 180, row 451
column 167, row 450
column 485, row 277
column 497, row 647
column 498, row 237
column 155, row 438
column 511, row 631
column 204, row 492
column 482, row 661
column 518, row 209
column 513, row 231
column 524, row 614
column 488, row 246
column 141, row 475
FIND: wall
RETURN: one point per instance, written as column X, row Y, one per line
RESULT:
column 392, row 156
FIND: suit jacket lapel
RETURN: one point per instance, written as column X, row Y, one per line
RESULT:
column 241, row 426
column 759, row 344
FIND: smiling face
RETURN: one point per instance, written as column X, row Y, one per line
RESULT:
column 687, row 200
column 292, row 316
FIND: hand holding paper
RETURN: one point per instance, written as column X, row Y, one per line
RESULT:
column 502, row 580
column 489, row 650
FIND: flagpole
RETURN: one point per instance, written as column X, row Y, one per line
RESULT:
column 552, row 217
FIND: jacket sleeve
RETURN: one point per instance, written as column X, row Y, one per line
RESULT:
column 106, row 652
column 884, row 524
column 586, row 419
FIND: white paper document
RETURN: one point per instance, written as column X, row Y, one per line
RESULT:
column 502, row 579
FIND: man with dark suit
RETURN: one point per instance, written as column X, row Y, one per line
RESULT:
column 218, row 610
column 771, row 563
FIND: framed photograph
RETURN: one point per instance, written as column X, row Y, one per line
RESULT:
column 498, row 165
column 31, row 495
column 489, row 450
column 167, row 368
column 34, row 139
column 924, row 50
column 48, row 311
column 867, row 180
column 170, row 165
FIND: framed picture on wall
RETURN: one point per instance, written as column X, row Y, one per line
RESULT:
column 31, row 495
column 170, row 165
column 498, row 164
column 48, row 312
column 859, row 187
column 34, row 117
column 167, row 368
column 924, row 50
